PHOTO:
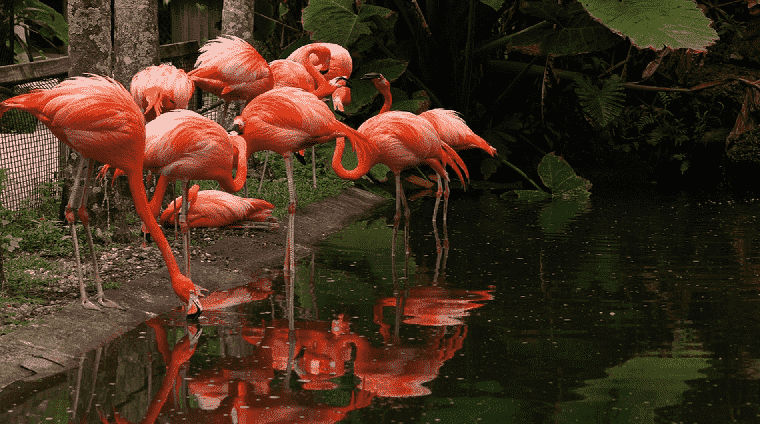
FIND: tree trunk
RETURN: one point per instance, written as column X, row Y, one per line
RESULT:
column 237, row 20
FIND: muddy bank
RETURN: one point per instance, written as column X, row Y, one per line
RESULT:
column 223, row 259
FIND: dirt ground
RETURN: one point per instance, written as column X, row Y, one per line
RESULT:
column 53, row 338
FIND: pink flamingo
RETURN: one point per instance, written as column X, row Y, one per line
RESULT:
column 286, row 120
column 400, row 140
column 214, row 208
column 183, row 145
column 158, row 89
column 231, row 69
column 99, row 119
column 453, row 131
column 337, row 68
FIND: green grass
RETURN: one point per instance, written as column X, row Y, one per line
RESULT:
column 275, row 188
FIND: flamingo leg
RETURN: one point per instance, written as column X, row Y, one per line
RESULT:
column 289, row 268
column 438, row 195
column 84, row 217
column 445, row 208
column 263, row 172
column 407, row 213
column 184, row 228
column 75, row 193
column 313, row 167
column 396, row 218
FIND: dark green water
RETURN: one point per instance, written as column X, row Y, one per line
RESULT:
column 632, row 308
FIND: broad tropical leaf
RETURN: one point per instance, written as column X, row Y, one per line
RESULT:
column 656, row 23
column 604, row 104
column 342, row 21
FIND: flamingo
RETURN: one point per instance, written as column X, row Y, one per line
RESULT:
column 401, row 140
column 183, row 145
column 231, row 69
column 453, row 131
column 286, row 120
column 158, row 89
column 304, row 75
column 337, row 69
column 214, row 208
column 98, row 118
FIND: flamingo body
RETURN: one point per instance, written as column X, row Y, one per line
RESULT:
column 453, row 131
column 214, row 208
column 159, row 89
column 231, row 69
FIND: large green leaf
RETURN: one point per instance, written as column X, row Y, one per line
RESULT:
column 656, row 23
column 494, row 4
column 342, row 21
column 558, row 176
column 603, row 104
column 47, row 21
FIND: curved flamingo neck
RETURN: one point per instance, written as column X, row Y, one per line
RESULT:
column 365, row 162
column 242, row 166
column 322, row 86
column 385, row 90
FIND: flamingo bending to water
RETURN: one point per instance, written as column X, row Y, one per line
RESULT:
column 98, row 118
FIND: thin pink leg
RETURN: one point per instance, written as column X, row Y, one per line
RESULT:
column 184, row 228
column 82, row 212
column 71, row 218
column 290, row 244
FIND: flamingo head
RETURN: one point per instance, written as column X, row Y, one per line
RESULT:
column 378, row 80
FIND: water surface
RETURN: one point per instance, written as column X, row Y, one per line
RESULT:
column 637, row 307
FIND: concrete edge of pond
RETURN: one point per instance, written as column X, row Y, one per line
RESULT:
column 54, row 343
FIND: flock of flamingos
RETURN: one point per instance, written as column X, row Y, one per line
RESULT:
column 285, row 112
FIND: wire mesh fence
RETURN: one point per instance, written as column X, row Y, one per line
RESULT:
column 30, row 153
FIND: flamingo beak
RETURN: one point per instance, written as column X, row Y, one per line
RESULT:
column 348, row 82
column 372, row 75
column 194, row 301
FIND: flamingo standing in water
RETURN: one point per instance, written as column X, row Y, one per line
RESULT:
column 214, row 208
column 453, row 131
column 286, row 120
column 158, row 89
column 400, row 140
column 98, row 118
column 183, row 145
column 231, row 69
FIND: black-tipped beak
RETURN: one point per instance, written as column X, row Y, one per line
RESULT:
column 341, row 113
column 372, row 75
column 199, row 309
column 348, row 82
column 236, row 128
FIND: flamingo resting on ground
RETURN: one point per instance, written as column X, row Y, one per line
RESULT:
column 231, row 69
column 98, row 118
column 286, row 120
column 400, row 140
column 214, row 208
column 159, row 89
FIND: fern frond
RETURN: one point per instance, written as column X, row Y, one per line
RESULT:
column 603, row 104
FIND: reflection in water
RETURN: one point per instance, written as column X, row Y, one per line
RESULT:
column 634, row 309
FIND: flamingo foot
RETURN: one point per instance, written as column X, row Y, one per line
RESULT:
column 110, row 304
column 89, row 305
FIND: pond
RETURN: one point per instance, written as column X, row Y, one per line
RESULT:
column 632, row 307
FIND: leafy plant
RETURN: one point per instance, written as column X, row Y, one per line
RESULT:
column 559, row 177
column 35, row 16
column 602, row 104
